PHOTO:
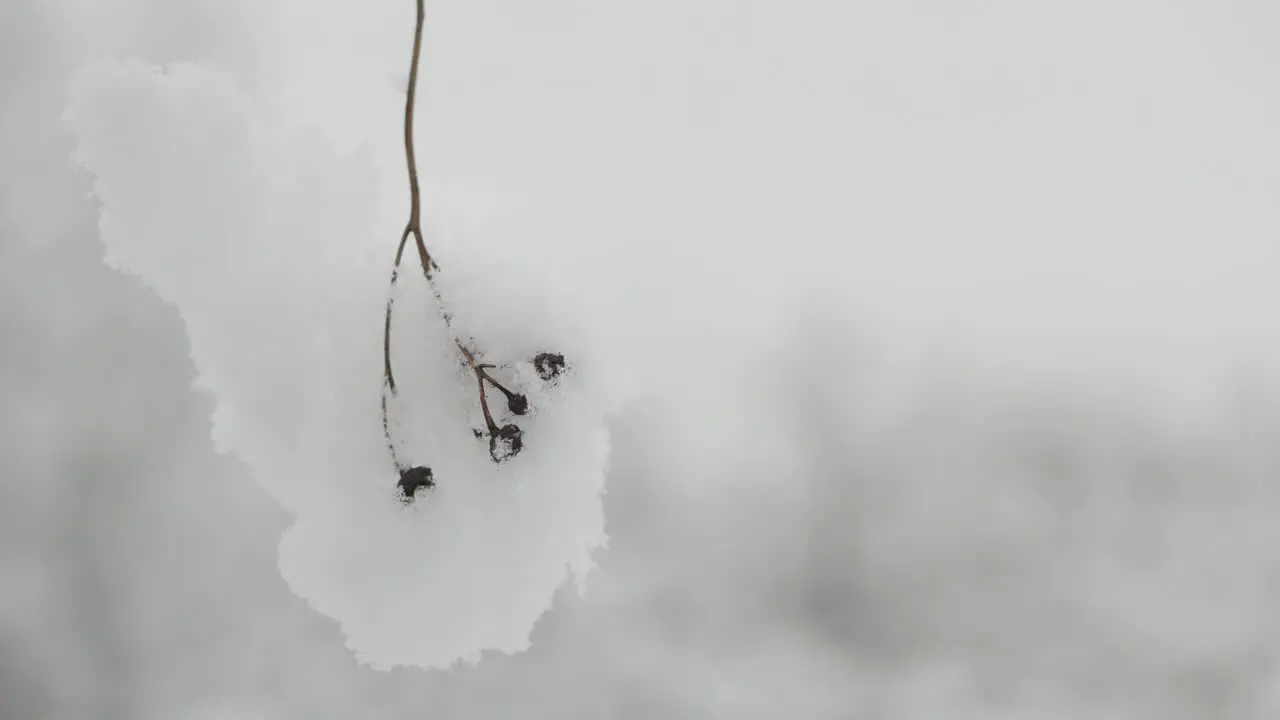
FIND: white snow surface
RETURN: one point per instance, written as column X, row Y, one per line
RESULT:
column 274, row 250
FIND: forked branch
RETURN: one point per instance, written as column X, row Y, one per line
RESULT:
column 505, row 441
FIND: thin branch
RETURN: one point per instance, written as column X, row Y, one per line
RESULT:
column 484, row 407
column 413, row 227
column 386, row 432
column 388, row 373
column 509, row 435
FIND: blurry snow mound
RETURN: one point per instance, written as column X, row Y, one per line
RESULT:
column 271, row 248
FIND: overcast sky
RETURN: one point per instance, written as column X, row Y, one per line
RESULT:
column 974, row 417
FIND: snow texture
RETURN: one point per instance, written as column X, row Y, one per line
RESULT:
column 273, row 249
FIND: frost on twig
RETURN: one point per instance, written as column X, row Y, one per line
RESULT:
column 505, row 440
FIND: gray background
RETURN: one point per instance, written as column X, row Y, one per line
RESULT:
column 991, row 542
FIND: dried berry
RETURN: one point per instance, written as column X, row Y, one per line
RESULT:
column 549, row 365
column 506, row 444
column 414, row 479
column 518, row 404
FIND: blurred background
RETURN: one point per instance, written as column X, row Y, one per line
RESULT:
column 998, row 435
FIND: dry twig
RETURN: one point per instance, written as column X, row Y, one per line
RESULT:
column 504, row 441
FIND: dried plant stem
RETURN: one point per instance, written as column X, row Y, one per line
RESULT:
column 413, row 228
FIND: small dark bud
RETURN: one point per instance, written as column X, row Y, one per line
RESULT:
column 477, row 432
column 549, row 365
column 517, row 404
column 414, row 479
column 506, row 444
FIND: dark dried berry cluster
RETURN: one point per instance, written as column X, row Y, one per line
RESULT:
column 414, row 479
column 506, row 441
column 549, row 366
column 518, row 404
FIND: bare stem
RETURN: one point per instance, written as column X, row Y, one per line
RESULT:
column 413, row 228
column 414, row 225
column 489, row 424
